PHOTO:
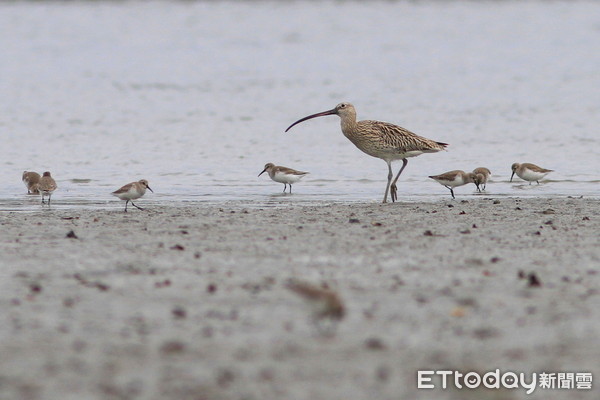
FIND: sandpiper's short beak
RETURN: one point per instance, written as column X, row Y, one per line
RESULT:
column 321, row 114
column 513, row 174
column 148, row 187
column 264, row 170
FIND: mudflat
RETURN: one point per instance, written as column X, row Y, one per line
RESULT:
column 190, row 302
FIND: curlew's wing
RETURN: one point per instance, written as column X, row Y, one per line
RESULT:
column 400, row 138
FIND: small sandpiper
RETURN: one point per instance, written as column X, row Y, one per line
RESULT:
column 31, row 181
column 482, row 174
column 284, row 175
column 132, row 191
column 46, row 186
column 529, row 172
column 455, row 178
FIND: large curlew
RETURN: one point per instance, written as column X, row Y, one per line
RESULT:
column 380, row 139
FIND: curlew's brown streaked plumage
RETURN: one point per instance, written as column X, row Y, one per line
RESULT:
column 381, row 140
column 529, row 172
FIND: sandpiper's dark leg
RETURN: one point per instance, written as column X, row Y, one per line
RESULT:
column 284, row 186
column 290, row 187
column 43, row 198
column 139, row 208
column 127, row 201
column 393, row 188
column 49, row 197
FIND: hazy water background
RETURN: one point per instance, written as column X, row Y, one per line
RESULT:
column 195, row 96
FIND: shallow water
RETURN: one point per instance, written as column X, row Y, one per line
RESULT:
column 195, row 97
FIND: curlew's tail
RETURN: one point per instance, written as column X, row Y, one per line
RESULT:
column 434, row 147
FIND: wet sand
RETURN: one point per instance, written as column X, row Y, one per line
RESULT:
column 190, row 302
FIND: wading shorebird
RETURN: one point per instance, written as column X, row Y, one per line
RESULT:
column 455, row 178
column 482, row 174
column 31, row 181
column 529, row 172
column 46, row 186
column 284, row 175
column 381, row 140
column 132, row 191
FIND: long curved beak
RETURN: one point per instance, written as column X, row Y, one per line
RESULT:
column 148, row 187
column 264, row 170
column 513, row 174
column 321, row 114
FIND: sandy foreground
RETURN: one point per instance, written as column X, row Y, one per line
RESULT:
column 191, row 302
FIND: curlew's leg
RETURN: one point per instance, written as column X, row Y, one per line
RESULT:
column 390, row 176
column 393, row 188
column 139, row 208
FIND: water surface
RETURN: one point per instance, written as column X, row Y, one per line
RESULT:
column 195, row 97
